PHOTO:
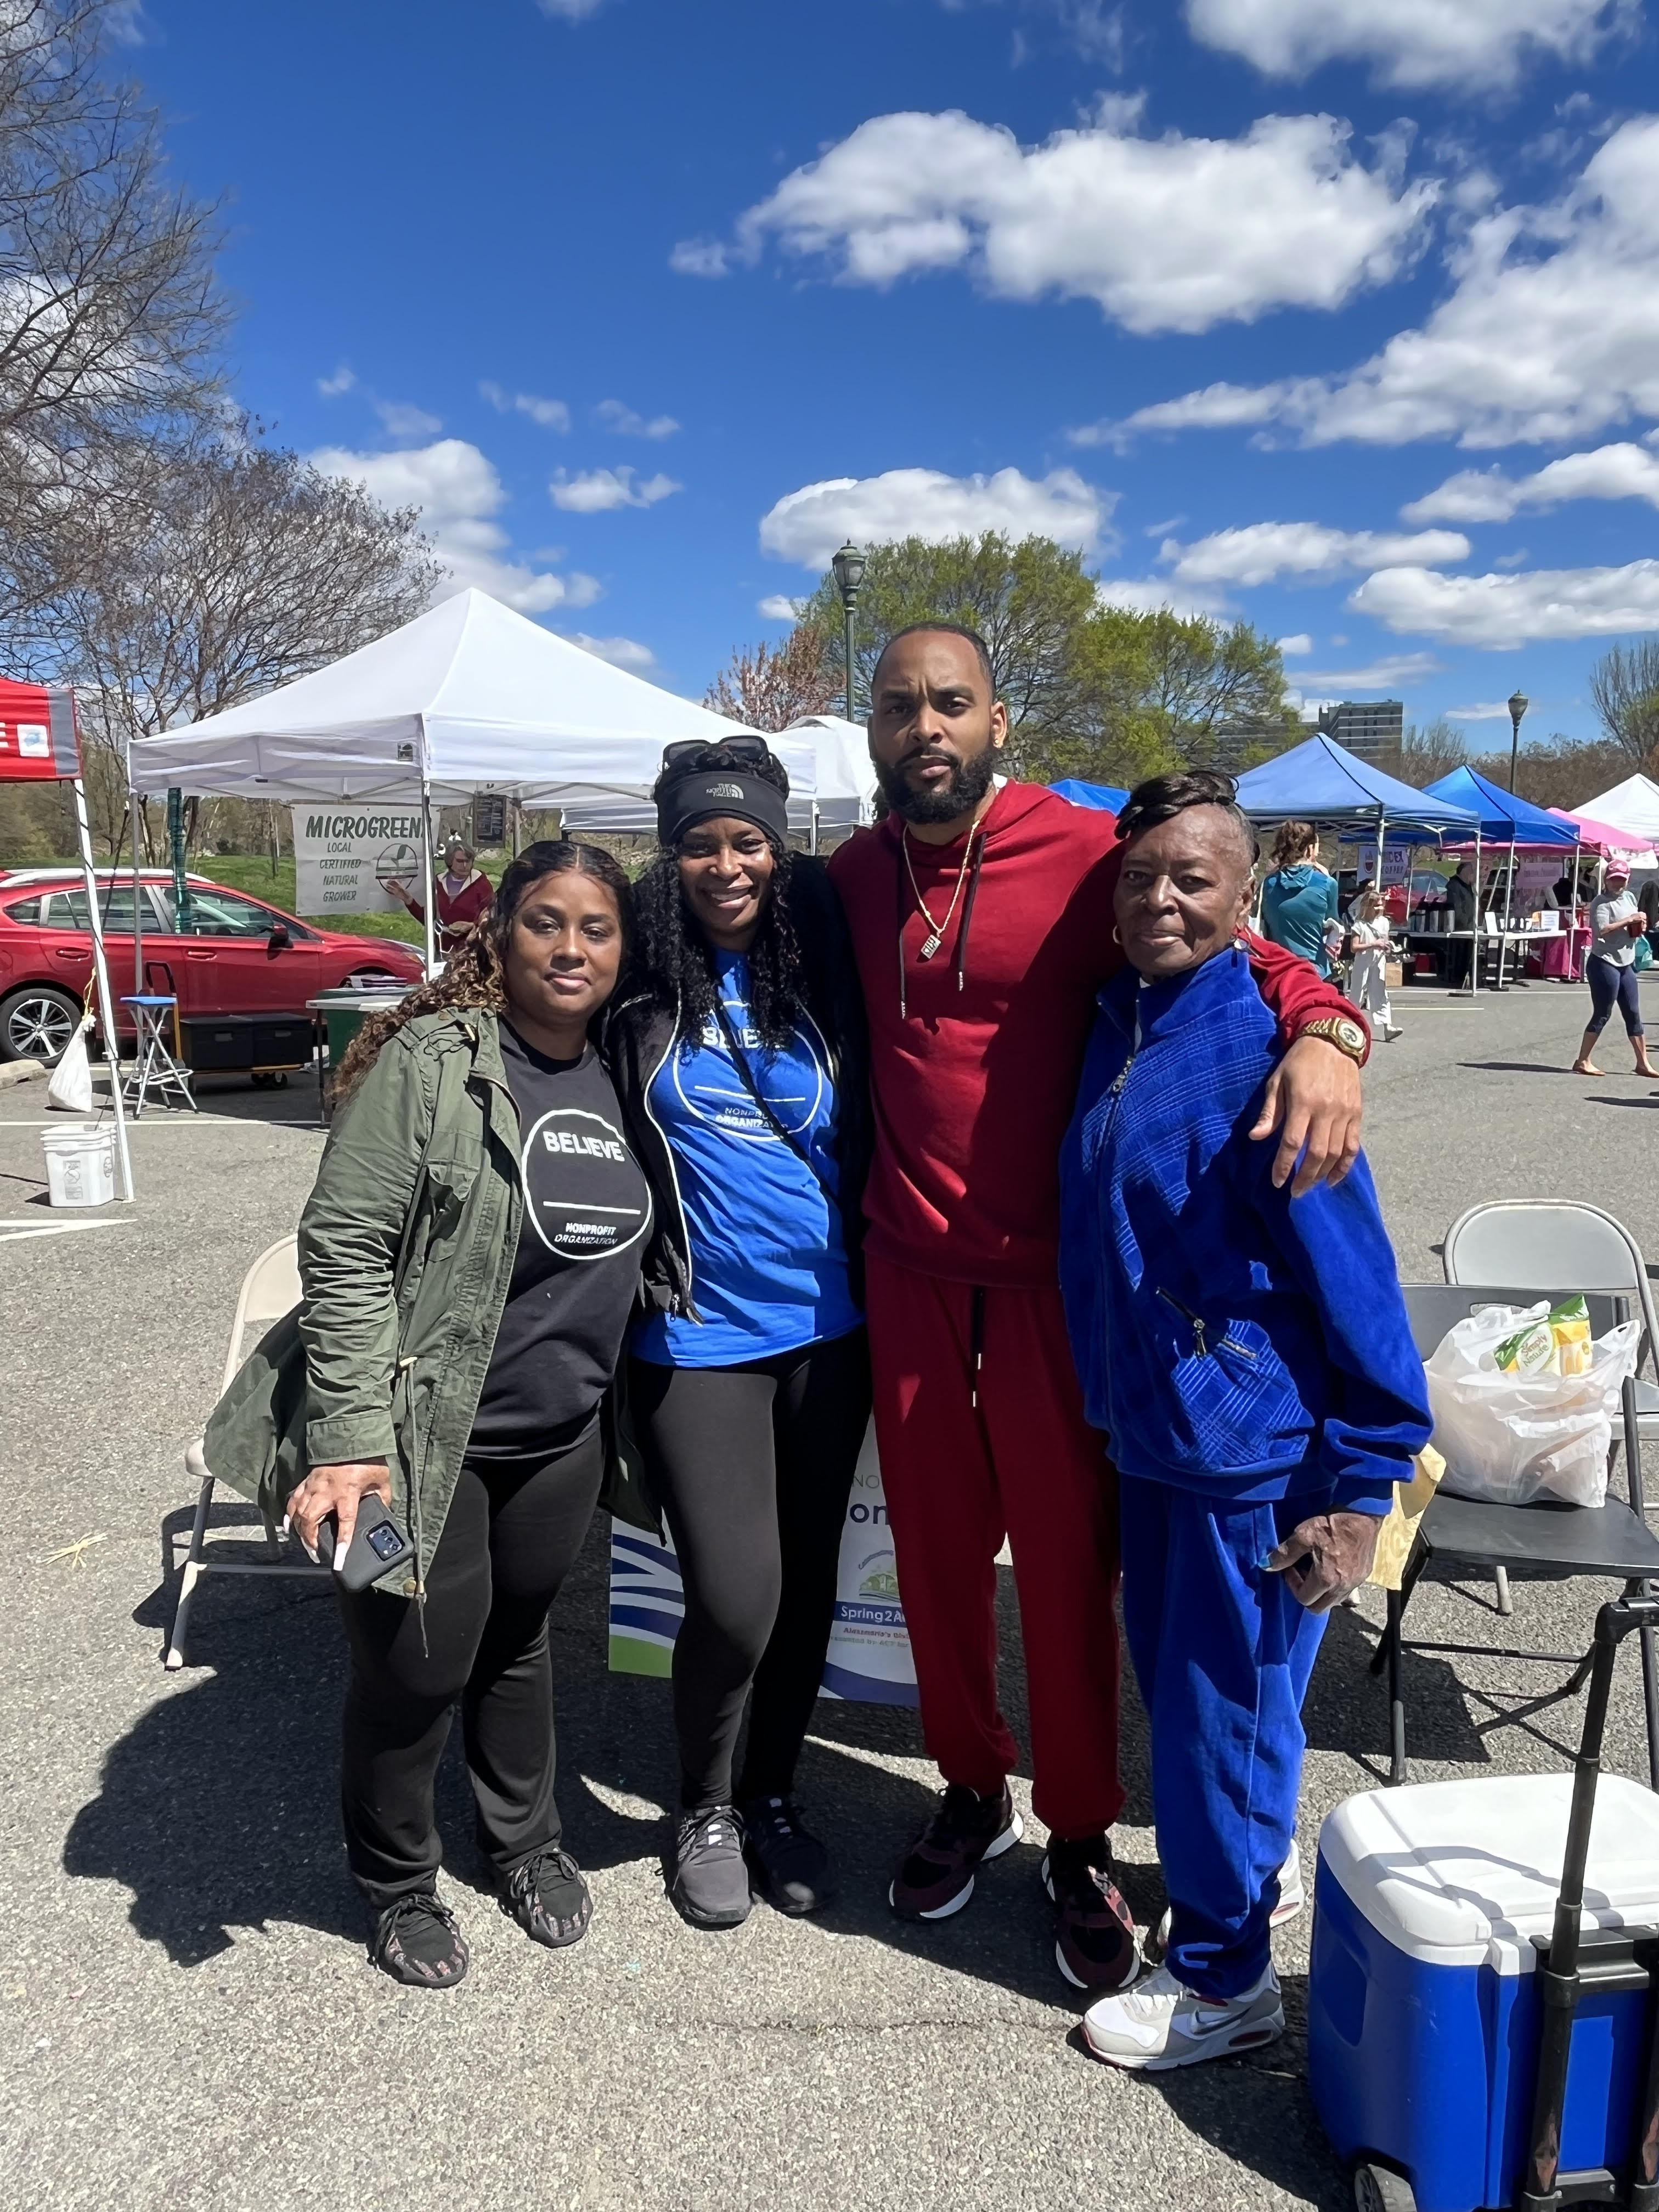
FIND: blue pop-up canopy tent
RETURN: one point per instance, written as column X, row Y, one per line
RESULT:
column 1321, row 782
column 1505, row 819
column 1106, row 798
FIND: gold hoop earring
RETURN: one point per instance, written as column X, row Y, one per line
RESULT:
column 1116, row 939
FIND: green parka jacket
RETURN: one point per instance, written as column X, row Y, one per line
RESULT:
column 406, row 1250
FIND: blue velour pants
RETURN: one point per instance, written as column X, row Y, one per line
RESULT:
column 1224, row 1652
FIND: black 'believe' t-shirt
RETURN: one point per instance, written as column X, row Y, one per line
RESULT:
column 587, row 1209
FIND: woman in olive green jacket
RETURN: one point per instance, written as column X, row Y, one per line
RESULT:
column 469, row 1257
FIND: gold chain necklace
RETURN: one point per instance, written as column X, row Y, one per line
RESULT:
column 935, row 937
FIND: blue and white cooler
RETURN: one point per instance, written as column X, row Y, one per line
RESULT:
column 1424, row 2011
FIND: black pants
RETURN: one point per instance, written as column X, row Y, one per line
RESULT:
column 508, row 1542
column 753, row 1465
column 1610, row 985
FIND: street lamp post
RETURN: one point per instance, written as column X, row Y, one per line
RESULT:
column 1519, row 704
column 848, row 565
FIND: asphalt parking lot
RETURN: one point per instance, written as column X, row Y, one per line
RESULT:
column 186, row 2016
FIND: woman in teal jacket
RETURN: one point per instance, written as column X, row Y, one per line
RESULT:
column 1298, row 899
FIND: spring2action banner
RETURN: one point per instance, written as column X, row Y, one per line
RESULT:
column 869, row 1659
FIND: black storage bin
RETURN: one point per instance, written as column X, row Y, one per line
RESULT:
column 283, row 1040
column 217, row 1044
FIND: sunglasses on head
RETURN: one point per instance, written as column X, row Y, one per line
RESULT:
column 741, row 749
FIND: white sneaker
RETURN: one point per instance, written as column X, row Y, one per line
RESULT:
column 1161, row 2024
column 1292, row 1899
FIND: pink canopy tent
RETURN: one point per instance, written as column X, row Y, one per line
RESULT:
column 1603, row 840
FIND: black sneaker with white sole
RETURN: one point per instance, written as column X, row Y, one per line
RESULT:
column 1095, row 1945
column 791, row 1867
column 710, row 1884
column 936, row 1875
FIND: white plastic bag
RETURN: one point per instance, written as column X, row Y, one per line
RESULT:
column 72, row 1079
column 1509, row 1438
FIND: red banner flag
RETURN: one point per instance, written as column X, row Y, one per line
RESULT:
column 40, row 742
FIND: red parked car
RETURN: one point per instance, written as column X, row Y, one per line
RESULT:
column 236, row 955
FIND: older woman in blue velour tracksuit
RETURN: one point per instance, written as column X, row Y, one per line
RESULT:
column 1262, row 1397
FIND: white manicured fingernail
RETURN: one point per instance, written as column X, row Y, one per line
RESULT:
column 340, row 1551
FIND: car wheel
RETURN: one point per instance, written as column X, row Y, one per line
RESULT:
column 1380, row 2188
column 37, row 1024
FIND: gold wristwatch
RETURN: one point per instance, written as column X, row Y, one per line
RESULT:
column 1341, row 1031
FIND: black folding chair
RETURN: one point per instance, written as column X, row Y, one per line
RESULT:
column 1611, row 1541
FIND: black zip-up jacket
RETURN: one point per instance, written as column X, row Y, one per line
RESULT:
column 639, row 1032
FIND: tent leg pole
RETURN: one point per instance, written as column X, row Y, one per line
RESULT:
column 430, row 902
column 106, row 999
column 137, row 932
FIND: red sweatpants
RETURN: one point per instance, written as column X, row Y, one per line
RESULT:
column 1024, row 1464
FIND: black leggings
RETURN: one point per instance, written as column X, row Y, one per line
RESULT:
column 507, row 1543
column 1611, row 985
column 753, row 1465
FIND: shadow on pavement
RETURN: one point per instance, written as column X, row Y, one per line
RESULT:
column 1518, row 1068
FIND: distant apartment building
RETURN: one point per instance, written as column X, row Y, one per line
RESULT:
column 1369, row 728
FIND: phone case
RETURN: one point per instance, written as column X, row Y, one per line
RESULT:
column 379, row 1547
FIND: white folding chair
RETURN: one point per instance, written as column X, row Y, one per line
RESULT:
column 1540, row 1243
column 270, row 1288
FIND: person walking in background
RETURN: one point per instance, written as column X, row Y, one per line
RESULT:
column 1298, row 899
column 1249, row 1355
column 981, row 919
column 749, row 1383
column 1465, row 948
column 463, row 895
column 469, row 1257
column 1367, row 986
column 1615, row 921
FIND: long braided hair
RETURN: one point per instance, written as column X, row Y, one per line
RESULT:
column 475, row 974
column 675, row 961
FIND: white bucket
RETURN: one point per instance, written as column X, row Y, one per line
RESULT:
column 80, row 1166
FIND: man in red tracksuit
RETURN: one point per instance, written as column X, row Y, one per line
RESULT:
column 982, row 920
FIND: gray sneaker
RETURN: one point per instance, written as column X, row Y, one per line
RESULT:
column 1160, row 2024
column 710, row 1886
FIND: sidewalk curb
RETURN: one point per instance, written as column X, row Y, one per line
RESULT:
column 20, row 1071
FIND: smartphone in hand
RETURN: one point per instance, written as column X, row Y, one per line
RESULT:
column 379, row 1545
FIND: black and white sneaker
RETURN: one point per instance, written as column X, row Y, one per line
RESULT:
column 791, row 1867
column 418, row 1940
column 548, row 1899
column 710, row 1884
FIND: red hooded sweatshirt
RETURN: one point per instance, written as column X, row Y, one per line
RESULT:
column 974, row 1079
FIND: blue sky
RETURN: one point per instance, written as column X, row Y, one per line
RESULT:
column 1340, row 314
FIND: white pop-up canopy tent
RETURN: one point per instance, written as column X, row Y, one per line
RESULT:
column 470, row 696
column 1632, row 805
column 840, row 797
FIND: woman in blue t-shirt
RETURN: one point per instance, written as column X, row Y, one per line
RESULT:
column 743, row 1041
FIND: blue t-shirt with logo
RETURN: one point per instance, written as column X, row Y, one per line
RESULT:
column 769, row 1262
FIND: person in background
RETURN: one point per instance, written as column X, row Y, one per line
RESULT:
column 1462, row 898
column 470, row 1258
column 1249, row 1355
column 1615, row 921
column 463, row 893
column 1648, row 900
column 750, row 1383
column 1368, row 978
column 1300, row 901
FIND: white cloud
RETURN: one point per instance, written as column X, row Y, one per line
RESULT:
column 342, row 380
column 1622, row 471
column 1495, row 611
column 1263, row 550
column 601, row 491
column 621, row 652
column 570, row 11
column 1167, row 233
column 1550, row 334
column 775, row 607
column 550, row 414
column 458, row 492
column 627, row 424
column 402, row 419
column 1293, row 648
column 1486, row 710
column 1387, row 675
column 1410, row 43
column 700, row 257
column 807, row 525
column 1151, row 595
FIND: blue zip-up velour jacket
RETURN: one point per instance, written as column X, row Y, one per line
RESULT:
column 1230, row 1338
